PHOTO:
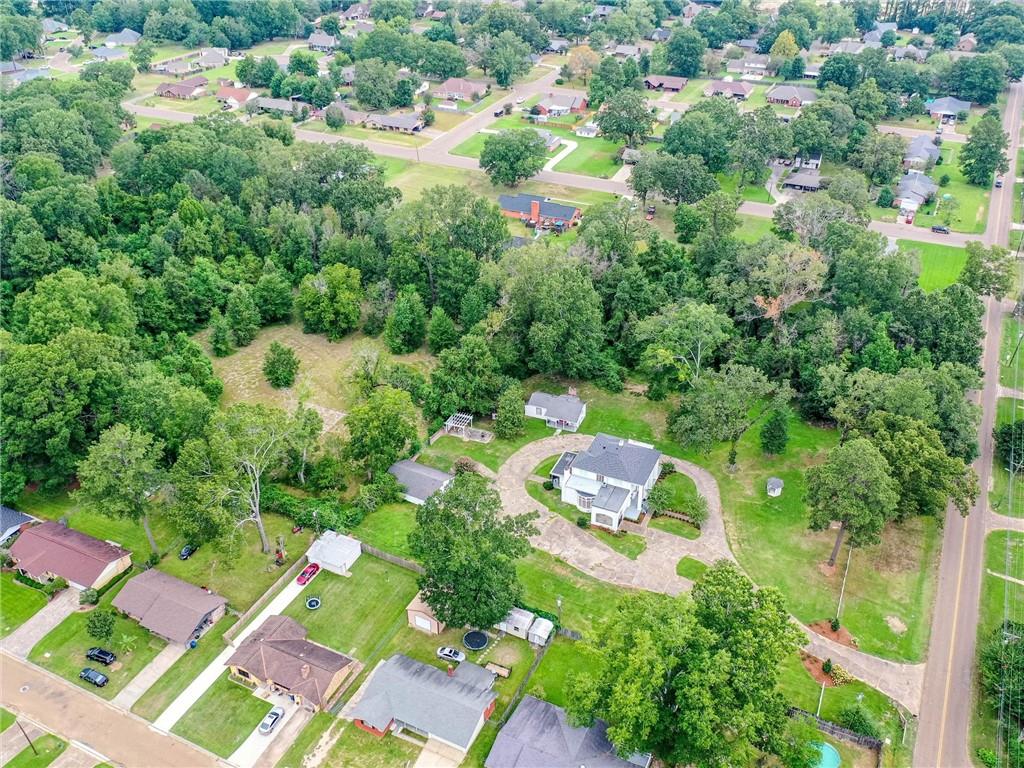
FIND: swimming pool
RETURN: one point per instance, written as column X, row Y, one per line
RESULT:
column 829, row 756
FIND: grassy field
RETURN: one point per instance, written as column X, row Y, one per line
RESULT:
column 999, row 498
column 443, row 453
column 204, row 105
column 585, row 600
column 7, row 719
column 1011, row 368
column 690, row 568
column 18, row 603
column 627, row 544
column 345, row 746
column 972, row 214
column 47, row 749
column 1004, row 554
column 62, row 651
column 677, row 527
column 244, row 579
column 359, row 611
column 223, row 717
column 754, row 193
column 388, row 528
column 940, row 265
column 753, row 228
column 176, row 679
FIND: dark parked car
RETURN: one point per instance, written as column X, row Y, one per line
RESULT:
column 187, row 551
column 101, row 655
column 942, row 229
column 90, row 675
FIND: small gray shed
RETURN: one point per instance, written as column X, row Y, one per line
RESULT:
column 774, row 486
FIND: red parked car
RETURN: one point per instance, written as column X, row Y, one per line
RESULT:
column 308, row 573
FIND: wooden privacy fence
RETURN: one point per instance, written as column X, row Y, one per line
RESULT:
column 845, row 734
column 401, row 562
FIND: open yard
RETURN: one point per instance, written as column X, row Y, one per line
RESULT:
column 388, row 528
column 204, row 105
column 1004, row 554
column 443, row 453
column 18, row 603
column 690, row 568
column 999, row 498
column 223, row 717
column 757, row 193
column 940, row 265
column 360, row 612
column 972, row 213
column 176, row 679
column 62, row 651
column 243, row 579
column 345, row 746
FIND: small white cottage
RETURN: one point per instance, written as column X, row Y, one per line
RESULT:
column 774, row 486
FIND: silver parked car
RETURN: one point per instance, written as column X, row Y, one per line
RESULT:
column 450, row 654
column 270, row 722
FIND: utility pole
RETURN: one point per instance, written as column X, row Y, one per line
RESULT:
column 22, row 728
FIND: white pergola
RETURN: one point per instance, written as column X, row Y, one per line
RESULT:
column 458, row 423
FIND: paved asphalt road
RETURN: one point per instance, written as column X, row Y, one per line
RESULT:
column 943, row 733
column 76, row 714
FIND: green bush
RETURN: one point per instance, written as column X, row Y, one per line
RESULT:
column 885, row 198
column 944, row 180
column 988, row 758
column 280, row 364
column 549, row 485
column 826, row 666
column 55, row 586
column 835, row 624
column 857, row 719
column 583, row 521
column 89, row 597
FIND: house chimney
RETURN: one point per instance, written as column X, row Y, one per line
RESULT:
column 535, row 210
column 304, row 672
column 451, row 671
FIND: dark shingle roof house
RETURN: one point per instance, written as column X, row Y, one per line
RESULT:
column 921, row 151
column 168, row 606
column 538, row 735
column 110, row 54
column 620, row 459
column 916, row 187
column 449, row 706
column 52, row 26
column 806, row 181
column 794, row 95
column 420, row 481
column 321, row 41
column 536, row 208
column 278, row 654
column 12, row 521
column 49, row 550
column 407, row 122
column 665, row 82
column 659, row 35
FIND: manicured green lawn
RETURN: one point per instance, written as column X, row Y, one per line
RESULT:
column 492, row 455
column 358, row 611
column 53, row 505
column 752, row 192
column 972, row 214
column 753, row 228
column 627, row 544
column 563, row 658
column 473, row 146
column 47, row 749
column 682, row 489
column 482, row 746
column 388, row 528
column 176, row 679
column 996, row 595
column 677, row 527
column 62, row 650
column 244, row 579
column 940, row 264
column 18, row 603
column 204, row 105
column 544, row 468
column 585, row 600
column 999, row 498
column 690, row 568
column 1011, row 353
column 223, row 717
column 6, row 719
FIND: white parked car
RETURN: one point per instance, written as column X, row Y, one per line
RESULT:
column 450, row 654
column 270, row 722
column 520, row 99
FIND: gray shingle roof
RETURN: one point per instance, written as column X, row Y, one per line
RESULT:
column 538, row 734
column 419, row 480
column 426, row 698
column 126, row 36
column 948, row 105
column 619, row 459
column 916, row 184
column 11, row 519
column 922, row 148
column 611, row 497
column 565, row 407
column 562, row 464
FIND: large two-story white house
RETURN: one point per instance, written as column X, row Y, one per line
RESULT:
column 610, row 480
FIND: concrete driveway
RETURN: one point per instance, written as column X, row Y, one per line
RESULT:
column 149, row 674
column 257, row 743
column 24, row 638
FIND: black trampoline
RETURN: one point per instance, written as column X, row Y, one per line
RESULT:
column 475, row 640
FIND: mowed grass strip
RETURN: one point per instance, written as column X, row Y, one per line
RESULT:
column 18, row 603
column 223, row 717
column 1000, row 499
column 47, row 749
column 176, row 679
column 62, row 651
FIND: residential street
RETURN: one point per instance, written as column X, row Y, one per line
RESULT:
column 82, row 717
column 943, row 734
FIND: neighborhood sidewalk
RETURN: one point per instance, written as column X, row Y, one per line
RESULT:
column 177, row 708
column 148, row 675
column 24, row 638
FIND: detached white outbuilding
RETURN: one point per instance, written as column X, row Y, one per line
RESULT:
column 334, row 552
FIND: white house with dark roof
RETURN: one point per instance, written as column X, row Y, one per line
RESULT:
column 610, row 480
column 407, row 695
column 558, row 411
column 319, row 40
column 419, row 481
